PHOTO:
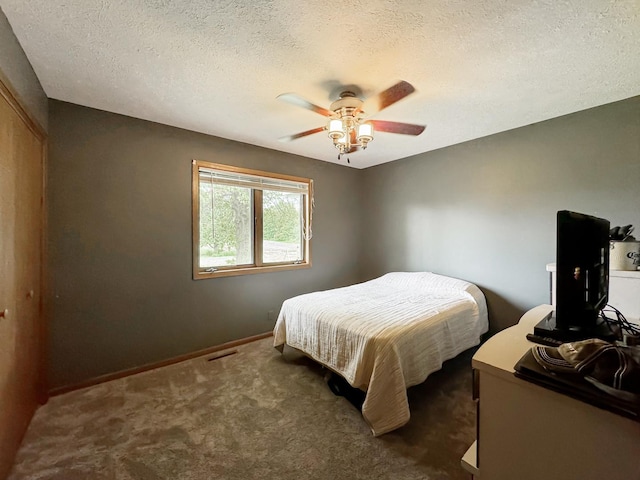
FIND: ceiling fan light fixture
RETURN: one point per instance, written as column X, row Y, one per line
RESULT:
column 365, row 134
column 336, row 130
column 341, row 143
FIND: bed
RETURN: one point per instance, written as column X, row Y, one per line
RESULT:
column 385, row 335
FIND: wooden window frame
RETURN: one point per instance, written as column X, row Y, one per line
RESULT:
column 201, row 273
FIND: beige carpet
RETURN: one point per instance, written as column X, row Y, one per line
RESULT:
column 253, row 415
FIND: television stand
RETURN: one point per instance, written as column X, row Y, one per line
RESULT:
column 528, row 432
column 547, row 328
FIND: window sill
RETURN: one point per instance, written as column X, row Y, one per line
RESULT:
column 232, row 272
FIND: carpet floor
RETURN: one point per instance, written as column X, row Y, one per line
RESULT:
column 257, row 414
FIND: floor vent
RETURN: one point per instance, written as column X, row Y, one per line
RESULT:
column 218, row 355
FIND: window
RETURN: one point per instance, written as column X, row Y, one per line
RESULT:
column 248, row 221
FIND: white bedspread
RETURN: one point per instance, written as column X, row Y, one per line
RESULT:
column 386, row 334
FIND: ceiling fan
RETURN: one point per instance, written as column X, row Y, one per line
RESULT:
column 349, row 126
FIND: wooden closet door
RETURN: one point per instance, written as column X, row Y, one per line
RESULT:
column 8, row 369
column 21, row 222
column 28, row 236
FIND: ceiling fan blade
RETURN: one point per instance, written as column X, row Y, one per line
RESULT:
column 295, row 136
column 298, row 101
column 387, row 97
column 397, row 127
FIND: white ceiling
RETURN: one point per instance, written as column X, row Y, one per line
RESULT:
column 479, row 67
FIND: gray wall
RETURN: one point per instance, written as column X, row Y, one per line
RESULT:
column 16, row 68
column 120, row 243
column 485, row 210
column 120, row 226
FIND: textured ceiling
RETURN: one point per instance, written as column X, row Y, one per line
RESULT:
column 479, row 67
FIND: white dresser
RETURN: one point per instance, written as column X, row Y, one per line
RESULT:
column 527, row 432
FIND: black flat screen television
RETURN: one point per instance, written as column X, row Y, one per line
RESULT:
column 582, row 279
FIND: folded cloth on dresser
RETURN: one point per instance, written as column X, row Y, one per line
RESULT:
column 595, row 371
column 612, row 368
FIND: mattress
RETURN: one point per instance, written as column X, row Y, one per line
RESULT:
column 385, row 335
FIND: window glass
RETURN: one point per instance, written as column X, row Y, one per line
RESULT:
column 226, row 225
column 282, row 226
